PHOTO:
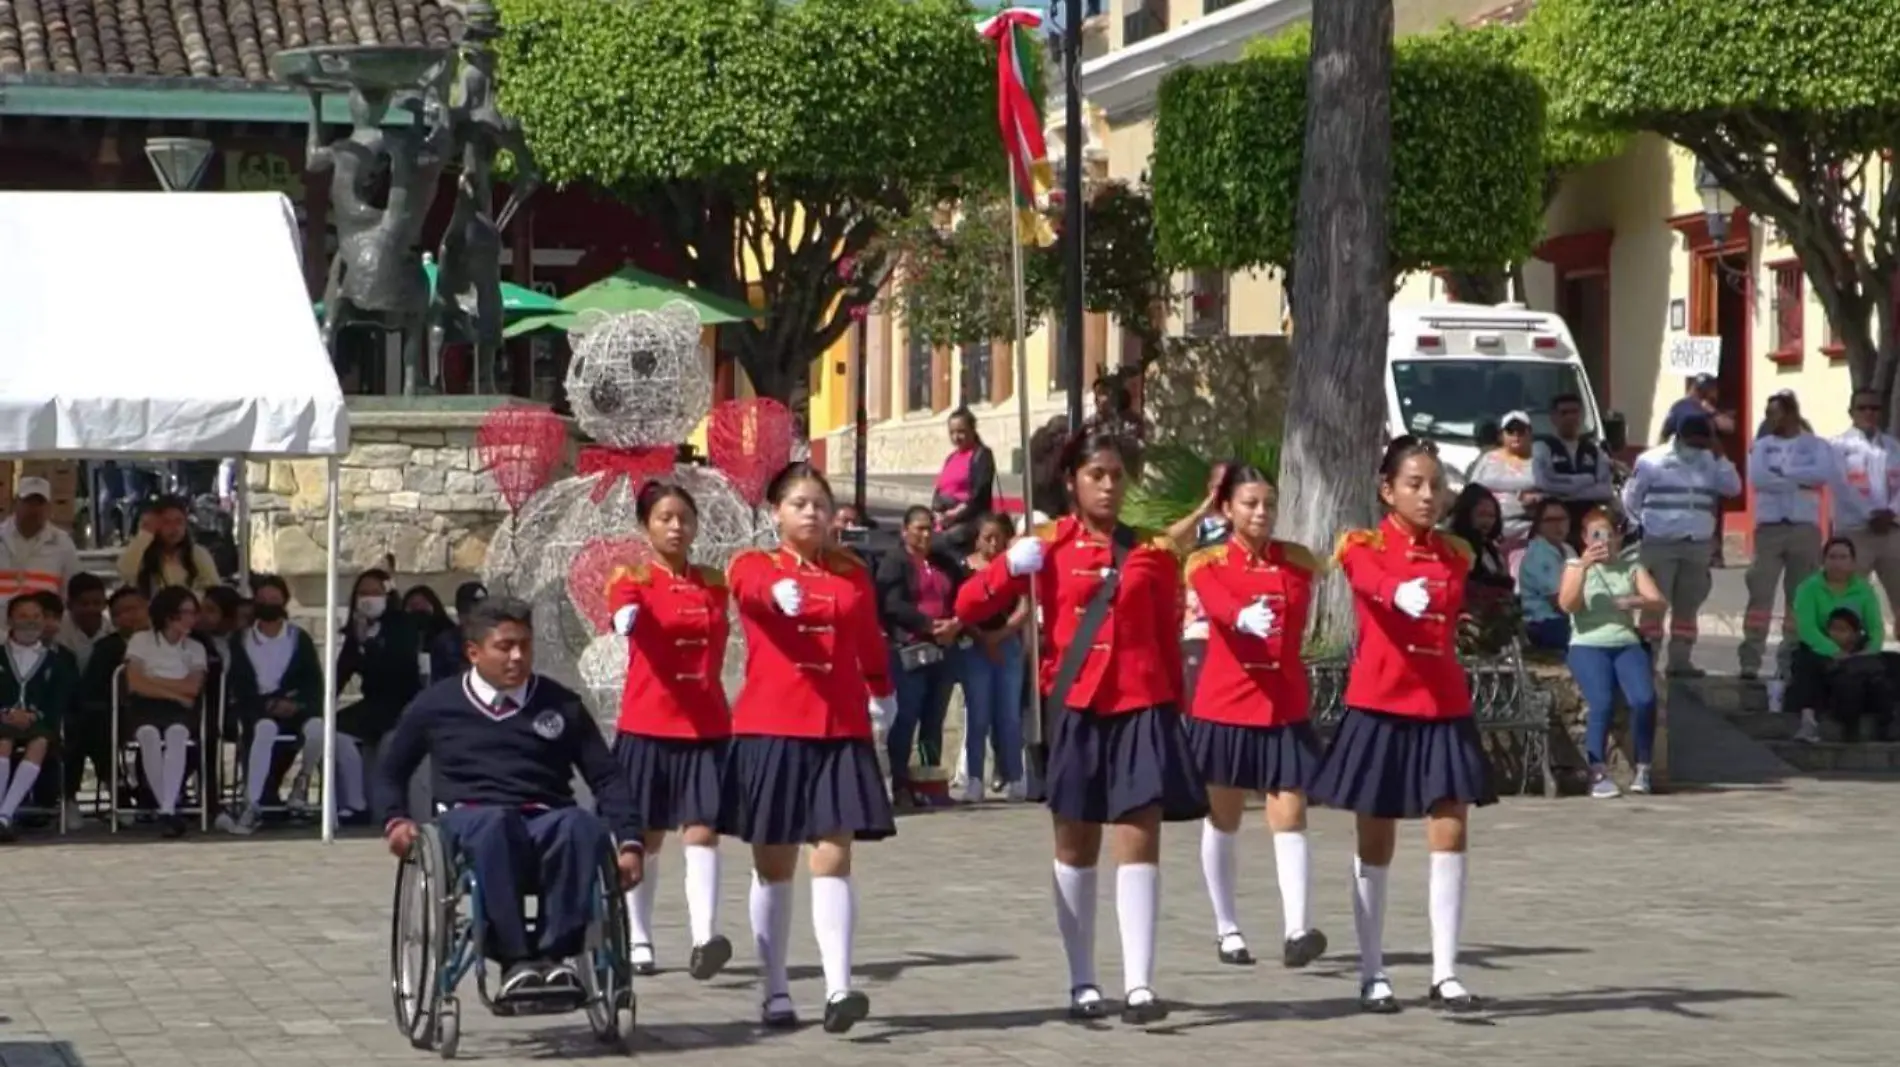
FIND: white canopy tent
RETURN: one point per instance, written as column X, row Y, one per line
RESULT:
column 168, row 326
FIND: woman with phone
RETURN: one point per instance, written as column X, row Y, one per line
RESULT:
column 1248, row 719
column 1602, row 590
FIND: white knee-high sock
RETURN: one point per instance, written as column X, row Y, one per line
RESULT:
column 349, row 775
column 151, row 755
column 702, row 891
column 771, row 908
column 6, row 770
column 1368, row 917
column 1217, row 869
column 1137, row 910
column 15, row 794
column 175, row 763
column 1292, row 862
column 640, row 903
column 1075, row 919
column 257, row 767
column 834, row 920
column 1447, row 912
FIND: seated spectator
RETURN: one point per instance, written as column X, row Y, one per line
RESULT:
column 965, row 486
column 916, row 591
column 1602, row 590
column 448, row 658
column 163, row 553
column 380, row 648
column 89, row 729
column 37, row 684
column 1476, row 519
column 217, row 621
column 165, row 671
column 1836, row 588
column 1540, row 577
column 276, row 688
column 86, row 617
column 429, row 618
column 1859, row 683
column 1507, row 472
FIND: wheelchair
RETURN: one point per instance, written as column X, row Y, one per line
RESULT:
column 436, row 940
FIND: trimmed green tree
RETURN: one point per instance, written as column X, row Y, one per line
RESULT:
column 767, row 141
column 1791, row 104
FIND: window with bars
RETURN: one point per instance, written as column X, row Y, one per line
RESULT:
column 917, row 371
column 977, row 375
column 1790, row 311
column 1207, row 303
column 1208, row 7
column 1145, row 19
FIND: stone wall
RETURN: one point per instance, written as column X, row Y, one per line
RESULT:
column 1208, row 393
column 410, row 488
column 918, row 443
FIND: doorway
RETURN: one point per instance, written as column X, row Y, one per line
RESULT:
column 1722, row 289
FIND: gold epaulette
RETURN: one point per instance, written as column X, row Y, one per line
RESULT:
column 637, row 574
column 713, row 577
column 1459, row 545
column 1046, row 532
column 1372, row 539
column 1298, row 555
column 1202, row 558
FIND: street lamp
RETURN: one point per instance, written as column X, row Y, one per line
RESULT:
column 179, row 162
column 1718, row 204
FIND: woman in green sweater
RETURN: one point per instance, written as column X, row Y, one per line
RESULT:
column 36, row 688
column 1837, row 585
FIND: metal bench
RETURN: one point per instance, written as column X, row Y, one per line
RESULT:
column 1504, row 700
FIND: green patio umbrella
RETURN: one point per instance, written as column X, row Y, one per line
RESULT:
column 516, row 300
column 632, row 289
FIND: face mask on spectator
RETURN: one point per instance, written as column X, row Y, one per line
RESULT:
column 371, row 607
column 27, row 633
column 270, row 612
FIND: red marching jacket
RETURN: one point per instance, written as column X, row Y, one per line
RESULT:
column 1247, row 680
column 811, row 675
column 1401, row 665
column 676, row 652
column 1134, row 662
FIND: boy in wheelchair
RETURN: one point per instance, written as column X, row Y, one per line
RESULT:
column 505, row 743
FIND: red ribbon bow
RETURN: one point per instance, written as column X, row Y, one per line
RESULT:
column 637, row 465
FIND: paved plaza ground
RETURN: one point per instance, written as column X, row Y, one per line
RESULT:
column 1717, row 927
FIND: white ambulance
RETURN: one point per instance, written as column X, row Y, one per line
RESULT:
column 1454, row 370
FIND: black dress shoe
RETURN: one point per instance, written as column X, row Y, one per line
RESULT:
column 648, row 967
column 1304, row 949
column 710, row 958
column 171, row 826
column 1142, row 1013
column 778, row 1014
column 1382, row 1004
column 1456, row 1003
column 1237, row 956
column 1082, row 1006
column 846, row 1010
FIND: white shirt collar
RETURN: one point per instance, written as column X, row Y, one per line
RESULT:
column 259, row 637
column 26, row 658
column 488, row 696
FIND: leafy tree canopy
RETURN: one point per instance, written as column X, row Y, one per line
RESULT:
column 1467, row 156
column 764, row 138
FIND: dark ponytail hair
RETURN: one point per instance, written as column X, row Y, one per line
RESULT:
column 1237, row 474
column 1402, row 448
column 655, row 491
column 793, row 473
column 1087, row 442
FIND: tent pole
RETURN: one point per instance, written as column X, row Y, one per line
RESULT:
column 241, row 522
column 329, row 657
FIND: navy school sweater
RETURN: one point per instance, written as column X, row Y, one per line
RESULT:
column 524, row 759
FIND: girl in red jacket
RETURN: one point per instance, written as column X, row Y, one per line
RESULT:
column 674, row 722
column 1248, row 723
column 1117, row 752
column 1407, row 748
column 803, row 768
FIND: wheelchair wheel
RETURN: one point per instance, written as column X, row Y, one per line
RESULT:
column 419, row 942
column 610, row 958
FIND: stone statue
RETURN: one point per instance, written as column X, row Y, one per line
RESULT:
column 382, row 182
column 468, row 283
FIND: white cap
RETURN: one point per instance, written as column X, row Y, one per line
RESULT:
column 34, row 487
column 1513, row 416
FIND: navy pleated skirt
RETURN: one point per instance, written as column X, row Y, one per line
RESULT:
column 1104, row 768
column 1259, row 759
column 675, row 781
column 1397, row 767
column 794, row 790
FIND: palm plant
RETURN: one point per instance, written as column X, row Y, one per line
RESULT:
column 1174, row 479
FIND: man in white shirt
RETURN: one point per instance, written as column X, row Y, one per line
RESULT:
column 1676, row 492
column 1867, row 490
column 1788, row 466
column 35, row 555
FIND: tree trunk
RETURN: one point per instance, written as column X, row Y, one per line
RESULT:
column 1479, row 286
column 1342, row 278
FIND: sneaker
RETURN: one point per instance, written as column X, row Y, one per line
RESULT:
column 519, row 978
column 1640, row 784
column 247, row 821
column 1016, row 792
column 973, row 791
column 298, row 803
column 1602, row 786
column 1777, row 692
column 171, row 827
column 224, row 823
column 7, row 832
column 1809, row 732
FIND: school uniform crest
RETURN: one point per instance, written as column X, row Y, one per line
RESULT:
column 549, row 724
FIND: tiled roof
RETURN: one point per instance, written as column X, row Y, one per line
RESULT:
column 230, row 40
column 1508, row 15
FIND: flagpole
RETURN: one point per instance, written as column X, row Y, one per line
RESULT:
column 1022, row 418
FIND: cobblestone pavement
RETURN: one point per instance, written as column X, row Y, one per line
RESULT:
column 1732, row 928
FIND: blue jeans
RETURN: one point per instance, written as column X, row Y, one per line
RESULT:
column 993, row 709
column 1600, row 672
column 923, row 697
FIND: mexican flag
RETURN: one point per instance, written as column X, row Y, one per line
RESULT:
column 1019, row 112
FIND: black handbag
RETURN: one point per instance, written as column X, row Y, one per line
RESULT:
column 915, row 657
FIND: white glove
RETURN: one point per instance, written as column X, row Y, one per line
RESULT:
column 623, row 620
column 1025, row 557
column 1256, row 619
column 883, row 710
column 1411, row 598
column 788, row 596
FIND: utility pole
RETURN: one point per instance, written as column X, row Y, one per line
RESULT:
column 1073, row 140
